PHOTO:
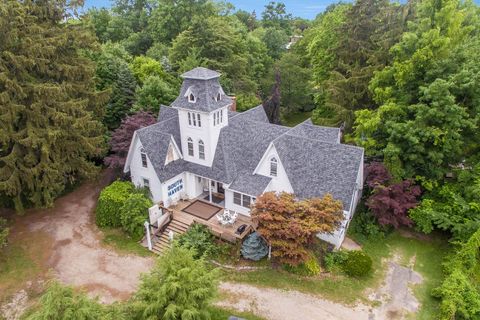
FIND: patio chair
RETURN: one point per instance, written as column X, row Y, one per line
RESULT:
column 228, row 217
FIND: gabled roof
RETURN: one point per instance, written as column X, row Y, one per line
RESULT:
column 200, row 73
column 166, row 113
column 317, row 167
column 254, row 114
column 253, row 184
column 307, row 130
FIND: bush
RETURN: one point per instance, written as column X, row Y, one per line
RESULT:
column 111, row 199
column 364, row 226
column 308, row 268
column 254, row 247
column 199, row 240
column 334, row 260
column 357, row 264
column 133, row 214
column 3, row 232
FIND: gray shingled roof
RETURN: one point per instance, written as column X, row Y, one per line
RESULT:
column 252, row 184
column 166, row 113
column 254, row 114
column 205, row 92
column 316, row 168
column 308, row 130
column 200, row 73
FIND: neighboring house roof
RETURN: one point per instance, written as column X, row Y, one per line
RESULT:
column 201, row 73
column 317, row 167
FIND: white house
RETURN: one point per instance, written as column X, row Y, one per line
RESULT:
column 199, row 147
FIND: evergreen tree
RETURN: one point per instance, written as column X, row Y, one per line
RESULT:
column 179, row 287
column 122, row 97
column 49, row 109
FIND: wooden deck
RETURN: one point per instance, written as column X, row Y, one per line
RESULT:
column 227, row 233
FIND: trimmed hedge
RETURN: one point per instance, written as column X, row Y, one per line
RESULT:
column 111, row 200
column 134, row 213
column 357, row 264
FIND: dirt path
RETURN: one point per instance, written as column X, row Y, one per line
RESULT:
column 275, row 304
column 73, row 250
column 395, row 297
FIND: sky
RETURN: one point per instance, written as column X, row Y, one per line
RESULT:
column 299, row 8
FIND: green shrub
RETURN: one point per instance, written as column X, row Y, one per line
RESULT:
column 334, row 260
column 133, row 214
column 357, row 264
column 109, row 203
column 308, row 268
column 364, row 226
column 3, row 232
column 198, row 239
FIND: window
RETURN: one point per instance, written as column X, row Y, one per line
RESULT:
column 199, row 179
column 194, row 120
column 237, row 198
column 144, row 158
column 190, row 146
column 273, row 167
column 221, row 116
column 191, row 97
column 219, row 96
column 246, row 201
column 189, row 119
column 199, row 122
column 242, row 200
column 201, row 150
column 146, row 183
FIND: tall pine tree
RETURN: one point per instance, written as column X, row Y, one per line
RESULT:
column 49, row 109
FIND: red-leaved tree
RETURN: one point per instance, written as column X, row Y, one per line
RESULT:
column 289, row 225
column 390, row 204
column 122, row 137
column 376, row 174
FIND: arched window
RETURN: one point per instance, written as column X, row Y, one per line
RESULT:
column 190, row 146
column 143, row 155
column 201, row 150
column 273, row 167
column 191, row 97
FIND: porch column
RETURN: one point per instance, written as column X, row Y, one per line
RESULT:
column 210, row 190
column 149, row 239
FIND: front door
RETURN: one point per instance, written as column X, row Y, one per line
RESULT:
column 220, row 188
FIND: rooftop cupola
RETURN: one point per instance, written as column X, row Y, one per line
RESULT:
column 201, row 91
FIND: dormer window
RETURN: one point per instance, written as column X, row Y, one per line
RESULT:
column 218, row 97
column 273, row 167
column 191, row 98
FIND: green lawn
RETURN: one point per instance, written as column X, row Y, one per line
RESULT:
column 292, row 119
column 340, row 288
column 122, row 243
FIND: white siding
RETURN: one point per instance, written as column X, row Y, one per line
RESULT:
column 232, row 206
column 280, row 182
column 208, row 133
column 138, row 172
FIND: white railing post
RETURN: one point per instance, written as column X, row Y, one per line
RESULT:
column 149, row 239
column 269, row 252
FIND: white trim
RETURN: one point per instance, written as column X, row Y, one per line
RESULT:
column 126, row 167
column 263, row 158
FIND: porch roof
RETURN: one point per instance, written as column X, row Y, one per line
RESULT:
column 251, row 184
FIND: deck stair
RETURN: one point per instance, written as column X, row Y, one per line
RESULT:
column 162, row 241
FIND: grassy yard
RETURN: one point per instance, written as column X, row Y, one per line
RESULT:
column 293, row 119
column 427, row 254
column 122, row 243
